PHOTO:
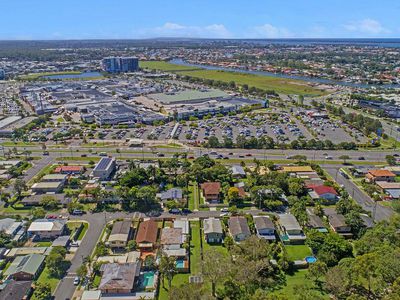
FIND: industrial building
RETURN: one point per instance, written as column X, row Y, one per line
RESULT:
column 104, row 168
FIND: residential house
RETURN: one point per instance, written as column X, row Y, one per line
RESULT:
column 16, row 290
column 238, row 171
column 324, row 192
column 11, row 227
column 211, row 191
column 297, row 169
column 47, row 228
column 315, row 222
column 380, row 175
column 265, row 228
column 292, row 231
column 146, row 237
column 119, row 278
column 238, row 228
column 338, row 224
column 47, row 187
column 213, row 231
column 120, row 234
column 385, row 185
column 184, row 225
column 70, row 170
column 25, row 267
column 171, row 241
column 175, row 194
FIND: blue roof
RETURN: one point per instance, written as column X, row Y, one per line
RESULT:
column 103, row 163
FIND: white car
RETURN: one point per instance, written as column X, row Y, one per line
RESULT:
column 225, row 209
column 76, row 280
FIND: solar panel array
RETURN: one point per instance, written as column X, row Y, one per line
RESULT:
column 103, row 163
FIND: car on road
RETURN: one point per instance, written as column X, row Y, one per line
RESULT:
column 174, row 211
column 77, row 212
column 224, row 214
column 186, row 211
column 241, row 156
column 45, row 152
column 361, row 158
column 249, row 154
column 83, row 155
column 160, row 154
column 76, row 280
column 328, row 157
column 225, row 209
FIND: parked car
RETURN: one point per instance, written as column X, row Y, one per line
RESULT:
column 77, row 212
column 76, row 280
column 174, row 211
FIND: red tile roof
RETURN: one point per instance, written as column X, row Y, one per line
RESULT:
column 323, row 189
column 211, row 188
column 68, row 169
column 381, row 173
column 147, row 232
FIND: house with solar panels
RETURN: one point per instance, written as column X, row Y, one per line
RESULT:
column 104, row 168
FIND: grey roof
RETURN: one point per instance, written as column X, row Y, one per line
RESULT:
column 29, row 264
column 263, row 222
column 119, row 276
column 61, row 241
column 15, row 290
column 315, row 222
column 212, row 225
column 394, row 193
column 103, row 164
column 121, row 227
column 368, row 222
column 173, row 193
column 337, row 220
column 171, row 236
column 238, row 225
column 238, row 170
column 289, row 222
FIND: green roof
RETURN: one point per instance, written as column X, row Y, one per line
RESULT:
column 29, row 264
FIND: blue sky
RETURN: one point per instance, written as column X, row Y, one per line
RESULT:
column 82, row 19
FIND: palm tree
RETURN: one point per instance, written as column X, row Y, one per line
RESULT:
column 167, row 268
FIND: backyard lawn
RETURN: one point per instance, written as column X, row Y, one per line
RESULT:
column 45, row 278
column 297, row 252
column 294, row 281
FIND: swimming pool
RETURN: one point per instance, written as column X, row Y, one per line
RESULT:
column 148, row 279
column 311, row 259
column 180, row 263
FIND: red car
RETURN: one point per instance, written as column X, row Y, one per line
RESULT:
column 248, row 154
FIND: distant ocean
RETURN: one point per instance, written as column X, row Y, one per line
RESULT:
column 387, row 43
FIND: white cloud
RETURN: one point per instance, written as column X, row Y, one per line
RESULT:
column 177, row 30
column 367, row 26
column 269, row 31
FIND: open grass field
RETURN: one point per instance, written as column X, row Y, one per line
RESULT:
column 280, row 85
column 34, row 76
column 165, row 66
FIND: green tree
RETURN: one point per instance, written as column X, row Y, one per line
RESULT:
column 167, row 269
column 42, row 292
column 215, row 267
column 316, row 271
column 391, row 160
column 38, row 213
column 49, row 202
column 19, row 186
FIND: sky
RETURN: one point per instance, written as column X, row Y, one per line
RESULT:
column 132, row 19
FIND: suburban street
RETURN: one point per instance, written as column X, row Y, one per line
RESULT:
column 378, row 212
